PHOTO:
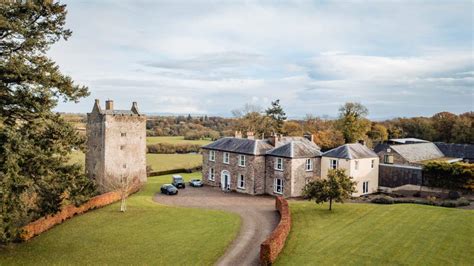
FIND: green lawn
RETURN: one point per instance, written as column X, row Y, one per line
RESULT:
column 147, row 234
column 158, row 162
column 398, row 234
column 163, row 162
column 175, row 140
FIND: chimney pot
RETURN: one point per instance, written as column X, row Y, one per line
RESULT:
column 238, row 134
column 250, row 135
column 109, row 105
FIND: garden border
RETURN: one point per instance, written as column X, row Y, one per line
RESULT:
column 274, row 244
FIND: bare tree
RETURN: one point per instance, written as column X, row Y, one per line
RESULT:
column 122, row 184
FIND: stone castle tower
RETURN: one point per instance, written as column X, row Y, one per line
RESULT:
column 116, row 144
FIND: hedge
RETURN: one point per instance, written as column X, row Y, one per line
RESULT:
column 176, row 171
column 273, row 245
column 168, row 148
column 47, row 222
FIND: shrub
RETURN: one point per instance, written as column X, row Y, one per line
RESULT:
column 417, row 194
column 383, row 200
column 168, row 148
column 463, row 202
column 454, row 195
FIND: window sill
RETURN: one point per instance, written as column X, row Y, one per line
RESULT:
column 309, row 170
column 279, row 193
column 243, row 166
column 225, row 163
column 281, row 170
column 241, row 188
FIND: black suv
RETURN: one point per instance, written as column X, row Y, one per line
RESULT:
column 178, row 181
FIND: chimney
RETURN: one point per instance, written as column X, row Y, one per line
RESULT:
column 238, row 134
column 310, row 137
column 135, row 108
column 250, row 135
column 109, row 105
column 274, row 139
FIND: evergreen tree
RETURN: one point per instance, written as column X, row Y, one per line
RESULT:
column 35, row 176
column 278, row 116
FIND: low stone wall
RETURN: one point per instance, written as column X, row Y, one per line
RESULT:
column 394, row 175
column 273, row 245
column 45, row 223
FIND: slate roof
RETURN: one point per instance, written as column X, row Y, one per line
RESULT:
column 407, row 141
column 295, row 147
column 418, row 152
column 239, row 145
column 465, row 151
column 351, row 151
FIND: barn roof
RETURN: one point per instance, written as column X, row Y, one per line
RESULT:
column 465, row 151
column 351, row 151
column 418, row 151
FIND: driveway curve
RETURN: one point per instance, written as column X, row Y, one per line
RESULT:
column 258, row 214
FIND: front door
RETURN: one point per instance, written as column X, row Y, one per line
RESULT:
column 225, row 180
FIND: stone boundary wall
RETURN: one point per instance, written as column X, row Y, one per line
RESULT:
column 47, row 222
column 393, row 175
column 273, row 245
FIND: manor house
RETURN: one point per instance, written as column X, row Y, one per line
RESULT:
column 283, row 165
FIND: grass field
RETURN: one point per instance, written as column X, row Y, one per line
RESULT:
column 158, row 162
column 147, row 234
column 175, row 140
column 359, row 234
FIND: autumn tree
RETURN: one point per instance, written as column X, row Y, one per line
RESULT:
column 292, row 128
column 443, row 123
column 35, row 142
column 328, row 139
column 378, row 133
column 277, row 115
column 337, row 187
column 463, row 129
column 352, row 121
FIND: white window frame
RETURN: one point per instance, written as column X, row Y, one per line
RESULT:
column 365, row 187
column 309, row 165
column 372, row 163
column 226, row 158
column 241, row 182
column 212, row 174
column 242, row 160
column 279, row 164
column 276, row 186
column 212, row 156
column 356, row 165
column 332, row 165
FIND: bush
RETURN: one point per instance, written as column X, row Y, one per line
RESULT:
column 383, row 200
column 454, row 195
column 168, row 148
column 417, row 194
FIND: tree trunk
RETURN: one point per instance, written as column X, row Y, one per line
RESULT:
column 330, row 204
column 123, row 204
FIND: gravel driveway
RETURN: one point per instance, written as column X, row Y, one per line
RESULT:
column 258, row 213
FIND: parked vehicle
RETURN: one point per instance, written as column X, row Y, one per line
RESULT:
column 169, row 189
column 178, row 181
column 195, row 183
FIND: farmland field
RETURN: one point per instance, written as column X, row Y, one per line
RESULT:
column 358, row 234
column 175, row 140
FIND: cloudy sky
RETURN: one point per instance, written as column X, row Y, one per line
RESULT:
column 208, row 57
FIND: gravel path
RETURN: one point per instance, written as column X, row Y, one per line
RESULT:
column 258, row 214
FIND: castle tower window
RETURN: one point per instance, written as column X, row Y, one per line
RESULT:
column 123, row 134
column 122, row 147
column 124, row 165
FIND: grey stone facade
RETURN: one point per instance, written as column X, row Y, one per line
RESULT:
column 116, row 144
column 259, row 172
